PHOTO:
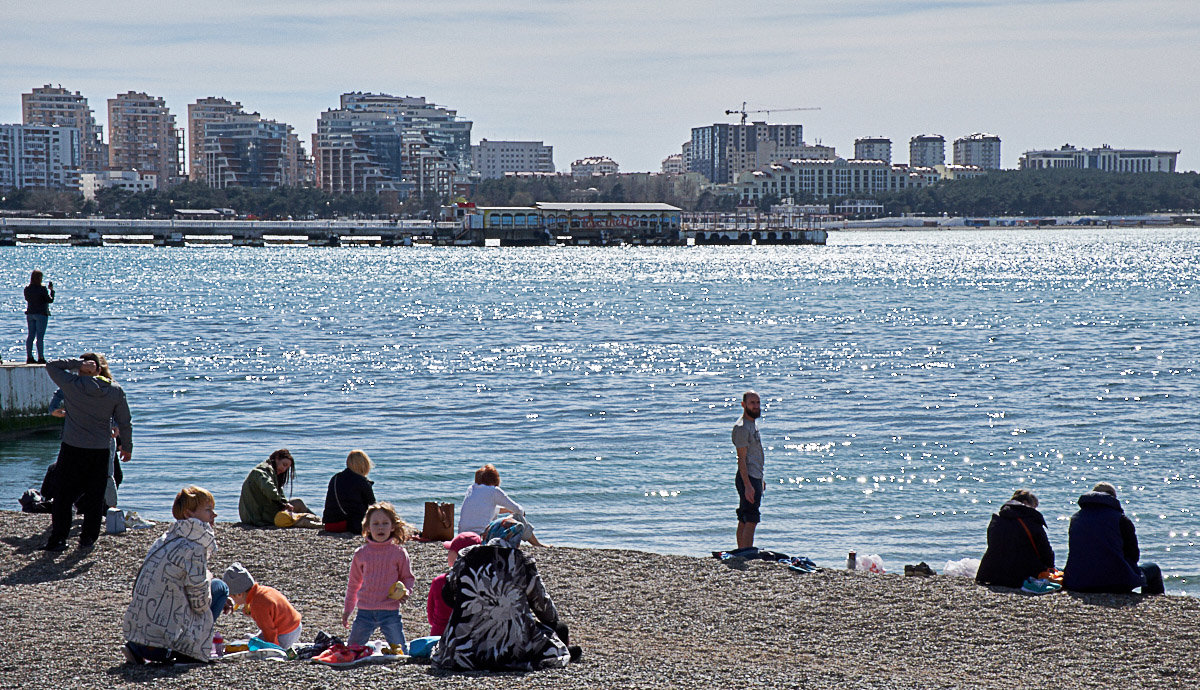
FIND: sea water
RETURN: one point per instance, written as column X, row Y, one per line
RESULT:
column 911, row 381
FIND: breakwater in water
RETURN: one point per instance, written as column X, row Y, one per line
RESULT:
column 911, row 380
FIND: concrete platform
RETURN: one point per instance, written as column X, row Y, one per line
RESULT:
column 25, row 392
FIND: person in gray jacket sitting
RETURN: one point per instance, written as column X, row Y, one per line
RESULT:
column 94, row 401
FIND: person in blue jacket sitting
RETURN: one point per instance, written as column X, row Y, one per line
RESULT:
column 1103, row 548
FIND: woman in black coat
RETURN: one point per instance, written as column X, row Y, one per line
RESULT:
column 1017, row 544
column 349, row 495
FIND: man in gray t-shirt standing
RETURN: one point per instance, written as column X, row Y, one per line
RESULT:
column 749, row 480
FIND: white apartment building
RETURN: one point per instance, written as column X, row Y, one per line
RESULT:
column 594, row 165
column 134, row 181
column 824, row 179
column 1103, row 158
column 979, row 149
column 674, row 164
column 493, row 159
column 42, row 156
column 927, row 150
column 873, row 149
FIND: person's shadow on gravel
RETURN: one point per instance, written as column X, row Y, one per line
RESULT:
column 44, row 568
column 149, row 673
column 1108, row 601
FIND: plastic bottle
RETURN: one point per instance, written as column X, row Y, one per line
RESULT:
column 852, row 561
column 218, row 644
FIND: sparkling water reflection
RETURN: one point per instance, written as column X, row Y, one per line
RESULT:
column 911, row 380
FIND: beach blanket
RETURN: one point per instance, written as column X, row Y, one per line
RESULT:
column 343, row 656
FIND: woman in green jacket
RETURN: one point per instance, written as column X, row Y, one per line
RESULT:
column 263, row 499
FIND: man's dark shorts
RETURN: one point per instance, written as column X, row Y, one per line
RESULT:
column 747, row 511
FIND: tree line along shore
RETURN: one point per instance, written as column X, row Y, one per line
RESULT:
column 644, row 620
column 1030, row 193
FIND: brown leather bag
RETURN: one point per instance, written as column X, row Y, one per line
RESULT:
column 439, row 521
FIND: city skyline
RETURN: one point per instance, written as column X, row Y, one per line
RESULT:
column 629, row 81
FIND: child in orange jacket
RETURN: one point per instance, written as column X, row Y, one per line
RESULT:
column 278, row 621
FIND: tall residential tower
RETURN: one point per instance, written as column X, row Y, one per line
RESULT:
column 200, row 114
column 979, row 149
column 142, row 136
column 54, row 105
column 927, row 150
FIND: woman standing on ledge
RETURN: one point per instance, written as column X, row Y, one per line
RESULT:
column 37, row 314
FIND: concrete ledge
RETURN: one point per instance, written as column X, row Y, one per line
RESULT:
column 25, row 392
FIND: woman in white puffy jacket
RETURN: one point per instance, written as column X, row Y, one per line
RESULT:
column 176, row 600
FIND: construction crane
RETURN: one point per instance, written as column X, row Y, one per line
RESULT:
column 745, row 112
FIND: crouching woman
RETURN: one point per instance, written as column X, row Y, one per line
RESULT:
column 501, row 618
column 176, row 600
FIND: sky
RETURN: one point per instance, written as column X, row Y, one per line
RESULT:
column 628, row 79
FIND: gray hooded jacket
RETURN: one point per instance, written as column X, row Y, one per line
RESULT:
column 93, row 403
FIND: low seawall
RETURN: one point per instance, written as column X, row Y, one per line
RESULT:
column 25, row 392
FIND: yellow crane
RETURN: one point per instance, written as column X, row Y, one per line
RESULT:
column 768, row 111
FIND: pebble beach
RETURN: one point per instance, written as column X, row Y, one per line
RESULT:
column 644, row 620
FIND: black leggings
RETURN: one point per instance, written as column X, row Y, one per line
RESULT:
column 82, row 475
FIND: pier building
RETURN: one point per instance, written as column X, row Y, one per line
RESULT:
column 574, row 223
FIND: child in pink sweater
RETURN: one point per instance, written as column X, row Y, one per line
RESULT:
column 380, row 579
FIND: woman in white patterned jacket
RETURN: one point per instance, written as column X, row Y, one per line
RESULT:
column 176, row 599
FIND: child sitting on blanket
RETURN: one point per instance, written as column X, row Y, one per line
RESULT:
column 380, row 579
column 278, row 621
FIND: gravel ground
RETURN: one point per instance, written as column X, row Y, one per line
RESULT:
column 644, row 620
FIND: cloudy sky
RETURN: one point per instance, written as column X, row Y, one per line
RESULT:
column 629, row 79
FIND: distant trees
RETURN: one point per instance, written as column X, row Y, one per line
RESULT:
column 1062, row 192
column 998, row 193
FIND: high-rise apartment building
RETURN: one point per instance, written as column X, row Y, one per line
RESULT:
column 142, row 136
column 379, row 143
column 927, row 150
column 44, row 156
column 1103, row 158
column 979, row 149
column 244, row 150
column 492, row 159
column 873, row 149
column 721, row 151
column 200, row 114
column 54, row 105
